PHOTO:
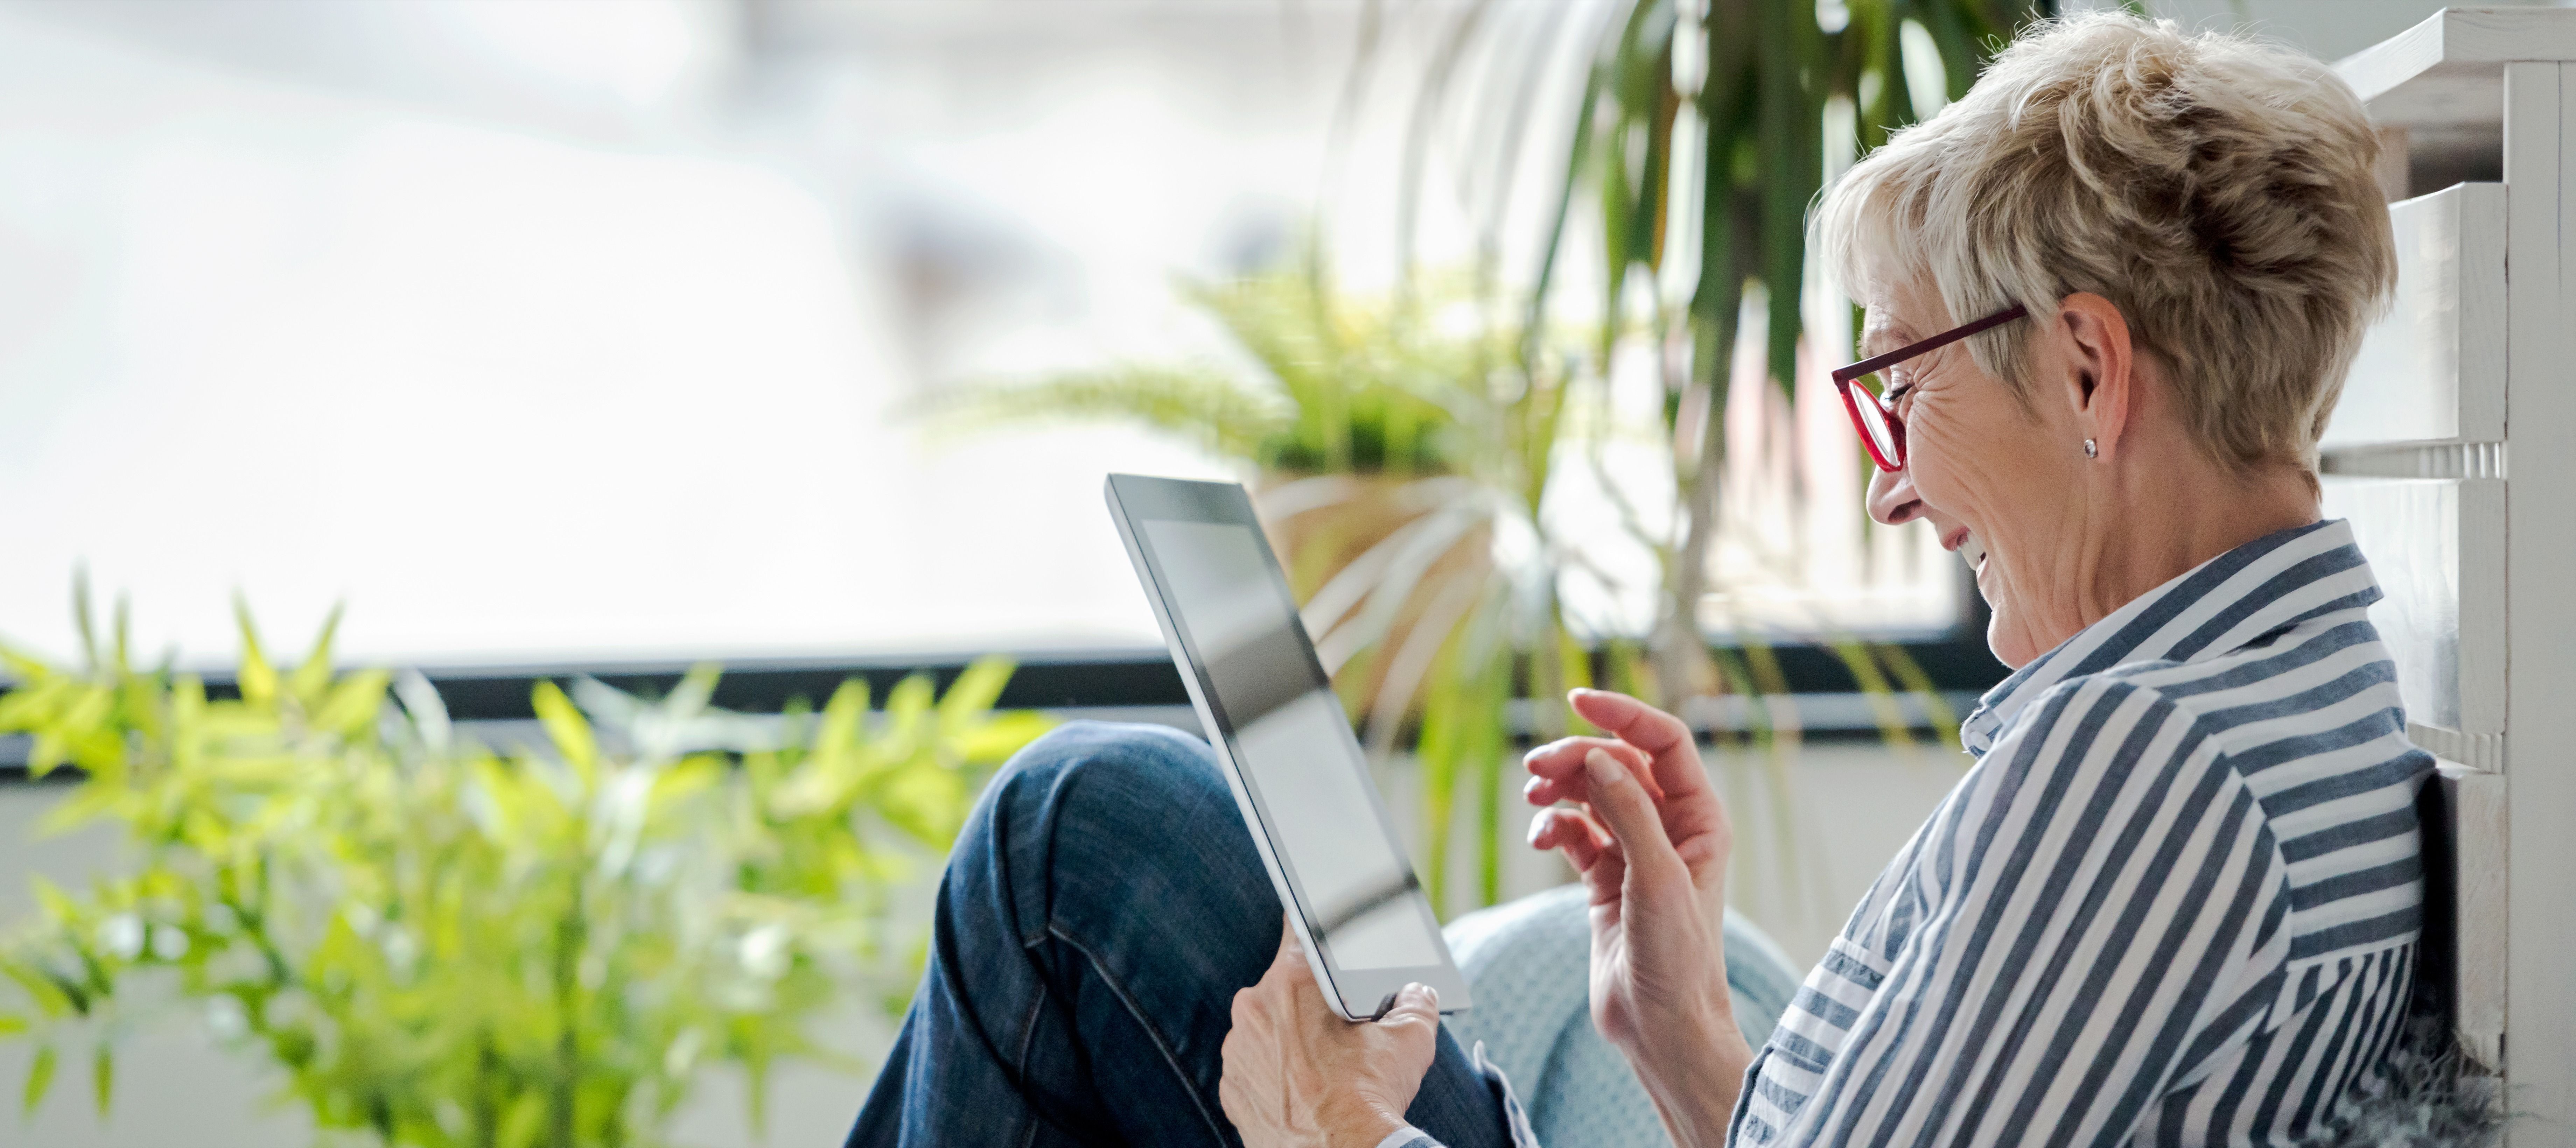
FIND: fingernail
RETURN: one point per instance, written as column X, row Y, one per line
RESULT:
column 1537, row 825
column 1532, row 787
column 1605, row 770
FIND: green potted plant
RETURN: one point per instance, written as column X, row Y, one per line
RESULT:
column 436, row 941
column 1340, row 390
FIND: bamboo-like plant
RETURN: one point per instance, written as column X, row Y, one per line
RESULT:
column 441, row 942
column 1700, row 138
column 1702, row 134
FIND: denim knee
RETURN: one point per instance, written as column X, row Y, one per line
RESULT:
column 1139, row 754
column 1105, row 779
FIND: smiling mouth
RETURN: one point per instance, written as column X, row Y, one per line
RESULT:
column 1970, row 551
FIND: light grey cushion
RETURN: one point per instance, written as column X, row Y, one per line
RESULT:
column 1528, row 965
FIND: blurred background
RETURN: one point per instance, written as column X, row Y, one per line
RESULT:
column 563, row 338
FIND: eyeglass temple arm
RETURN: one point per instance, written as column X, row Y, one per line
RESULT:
column 1874, row 364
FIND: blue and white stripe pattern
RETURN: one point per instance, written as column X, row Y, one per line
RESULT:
column 2176, row 901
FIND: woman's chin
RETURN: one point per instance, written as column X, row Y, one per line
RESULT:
column 2009, row 640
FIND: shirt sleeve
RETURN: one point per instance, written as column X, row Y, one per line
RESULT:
column 2099, row 907
column 1408, row 1136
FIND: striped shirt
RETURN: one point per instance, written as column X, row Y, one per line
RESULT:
column 2175, row 901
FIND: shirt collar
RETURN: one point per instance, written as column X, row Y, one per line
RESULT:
column 2218, row 607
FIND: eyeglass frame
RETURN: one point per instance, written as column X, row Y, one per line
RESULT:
column 1845, row 379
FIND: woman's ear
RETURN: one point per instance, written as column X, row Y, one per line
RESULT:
column 2099, row 382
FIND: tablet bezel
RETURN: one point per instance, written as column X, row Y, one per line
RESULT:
column 1355, row 994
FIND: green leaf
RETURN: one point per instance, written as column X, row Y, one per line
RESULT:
column 525, row 1119
column 906, row 705
column 49, row 753
column 684, row 780
column 59, row 906
column 31, row 706
column 352, row 704
column 314, row 674
column 88, row 803
column 1892, row 726
column 12, row 1024
column 102, row 1078
column 124, row 634
column 929, row 804
column 696, row 689
column 505, row 808
column 49, row 997
column 341, row 955
column 838, row 735
column 81, row 618
column 1936, row 708
column 1201, row 404
column 974, row 692
column 40, row 1077
column 996, row 740
column 258, row 679
column 571, row 734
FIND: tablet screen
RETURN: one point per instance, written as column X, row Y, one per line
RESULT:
column 1289, row 736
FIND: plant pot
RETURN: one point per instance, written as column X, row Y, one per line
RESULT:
column 1381, row 531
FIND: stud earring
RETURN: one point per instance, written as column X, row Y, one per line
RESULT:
column 2091, row 451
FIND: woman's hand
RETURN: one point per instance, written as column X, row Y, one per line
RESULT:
column 1651, row 842
column 1296, row 1074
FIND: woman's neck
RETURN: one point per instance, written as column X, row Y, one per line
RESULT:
column 2166, row 520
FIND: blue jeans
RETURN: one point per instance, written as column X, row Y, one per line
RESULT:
column 1101, row 908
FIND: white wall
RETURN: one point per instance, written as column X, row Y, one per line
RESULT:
column 510, row 396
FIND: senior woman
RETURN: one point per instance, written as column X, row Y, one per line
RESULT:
column 2111, row 294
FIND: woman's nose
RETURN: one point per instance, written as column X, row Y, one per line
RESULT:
column 1891, row 498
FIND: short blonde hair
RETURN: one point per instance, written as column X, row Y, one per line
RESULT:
column 2219, row 191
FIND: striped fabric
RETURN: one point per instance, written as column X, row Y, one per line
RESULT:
column 2175, row 902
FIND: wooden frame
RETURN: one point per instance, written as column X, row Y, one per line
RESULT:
column 2490, row 94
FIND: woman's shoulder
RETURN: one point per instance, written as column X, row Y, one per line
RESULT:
column 2307, row 731
column 2069, row 722
column 2324, row 686
column 2307, row 722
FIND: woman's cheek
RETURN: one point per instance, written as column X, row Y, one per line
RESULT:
column 1937, row 477
column 1962, row 476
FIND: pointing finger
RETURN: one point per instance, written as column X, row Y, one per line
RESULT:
column 1621, row 805
column 1667, row 742
column 1557, row 768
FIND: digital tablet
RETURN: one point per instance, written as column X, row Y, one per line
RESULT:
column 1287, row 749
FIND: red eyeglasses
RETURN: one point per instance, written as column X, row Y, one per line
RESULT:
column 1873, row 413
